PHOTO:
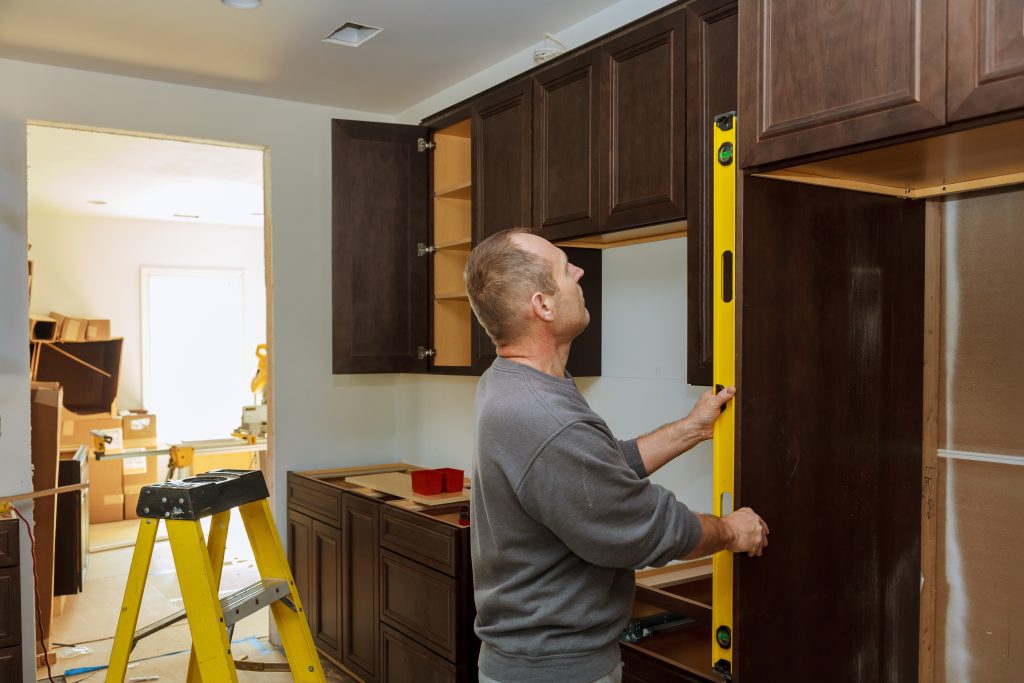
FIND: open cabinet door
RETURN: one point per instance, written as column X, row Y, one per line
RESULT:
column 381, row 289
column 829, row 437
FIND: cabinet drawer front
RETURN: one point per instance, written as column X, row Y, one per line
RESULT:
column 404, row 661
column 435, row 544
column 421, row 603
column 10, row 664
column 10, row 607
column 320, row 501
column 8, row 543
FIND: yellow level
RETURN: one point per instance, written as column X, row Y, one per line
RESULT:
column 723, row 180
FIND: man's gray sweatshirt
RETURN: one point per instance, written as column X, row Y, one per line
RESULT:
column 562, row 514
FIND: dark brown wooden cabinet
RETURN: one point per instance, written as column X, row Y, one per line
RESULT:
column 502, row 159
column 380, row 289
column 820, row 75
column 360, row 629
column 829, row 433
column 643, row 125
column 387, row 591
column 326, row 595
column 986, row 57
column 10, row 601
column 712, row 33
column 566, row 189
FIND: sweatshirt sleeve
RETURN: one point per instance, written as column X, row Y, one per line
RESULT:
column 631, row 450
column 581, row 488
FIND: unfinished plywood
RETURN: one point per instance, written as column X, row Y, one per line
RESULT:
column 453, row 221
column 449, row 265
column 625, row 238
column 400, row 484
column 452, row 338
column 452, row 158
column 986, row 157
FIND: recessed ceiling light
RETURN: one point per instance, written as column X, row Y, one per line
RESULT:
column 352, row 34
column 97, row 202
column 184, row 215
column 242, row 4
column 257, row 214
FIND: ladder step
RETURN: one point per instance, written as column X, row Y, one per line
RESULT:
column 234, row 607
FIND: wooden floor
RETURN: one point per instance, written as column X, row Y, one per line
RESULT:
column 90, row 618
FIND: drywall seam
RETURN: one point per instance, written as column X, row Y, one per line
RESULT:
column 957, row 656
column 983, row 457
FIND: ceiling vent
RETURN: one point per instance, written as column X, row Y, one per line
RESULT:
column 352, row 34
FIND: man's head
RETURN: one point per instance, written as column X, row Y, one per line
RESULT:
column 519, row 283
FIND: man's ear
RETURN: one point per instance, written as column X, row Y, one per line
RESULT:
column 542, row 306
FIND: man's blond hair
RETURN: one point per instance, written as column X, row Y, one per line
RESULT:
column 501, row 277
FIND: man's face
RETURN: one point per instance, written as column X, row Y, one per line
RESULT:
column 571, row 314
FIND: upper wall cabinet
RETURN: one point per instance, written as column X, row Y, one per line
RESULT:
column 986, row 57
column 643, row 125
column 566, row 103
column 502, row 166
column 825, row 74
column 380, row 291
column 712, row 28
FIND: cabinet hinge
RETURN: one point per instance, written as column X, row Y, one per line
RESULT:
column 423, row 249
column 423, row 352
column 423, row 145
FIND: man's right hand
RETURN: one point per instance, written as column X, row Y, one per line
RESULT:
column 749, row 533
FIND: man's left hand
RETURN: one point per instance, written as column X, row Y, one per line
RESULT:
column 708, row 408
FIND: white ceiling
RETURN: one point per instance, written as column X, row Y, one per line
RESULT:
column 277, row 51
column 140, row 177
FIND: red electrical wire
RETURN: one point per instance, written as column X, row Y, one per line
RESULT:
column 35, row 584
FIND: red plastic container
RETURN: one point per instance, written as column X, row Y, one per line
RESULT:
column 427, row 482
column 453, row 479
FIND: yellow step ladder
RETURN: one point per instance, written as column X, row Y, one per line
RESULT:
column 181, row 505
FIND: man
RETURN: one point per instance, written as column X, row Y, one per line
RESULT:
column 562, row 511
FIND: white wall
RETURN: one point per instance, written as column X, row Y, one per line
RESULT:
column 320, row 420
column 643, row 374
column 592, row 27
column 89, row 266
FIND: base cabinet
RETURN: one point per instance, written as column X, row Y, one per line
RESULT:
column 388, row 592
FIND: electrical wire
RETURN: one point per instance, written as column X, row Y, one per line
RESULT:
column 35, row 584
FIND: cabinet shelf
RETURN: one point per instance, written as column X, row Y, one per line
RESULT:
column 451, row 295
column 460, row 191
column 461, row 244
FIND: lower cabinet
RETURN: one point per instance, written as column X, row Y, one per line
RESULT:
column 10, row 664
column 387, row 591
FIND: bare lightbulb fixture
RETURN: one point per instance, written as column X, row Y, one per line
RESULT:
column 242, row 4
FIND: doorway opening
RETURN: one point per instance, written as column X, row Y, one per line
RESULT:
column 150, row 294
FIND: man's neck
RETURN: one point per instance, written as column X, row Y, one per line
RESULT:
column 547, row 357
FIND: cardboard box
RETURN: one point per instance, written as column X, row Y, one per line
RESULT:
column 223, row 461
column 139, row 430
column 42, row 328
column 46, row 418
column 71, row 328
column 97, row 329
column 106, row 494
column 136, row 472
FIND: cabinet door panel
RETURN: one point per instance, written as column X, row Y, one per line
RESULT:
column 502, row 123
column 423, row 604
column 327, row 593
column 405, row 661
column 986, row 57
column 712, row 28
column 830, row 427
column 381, row 290
column 565, row 159
column 360, row 590
column 10, row 607
column 502, row 170
column 643, row 125
column 300, row 552
column 10, row 664
column 819, row 75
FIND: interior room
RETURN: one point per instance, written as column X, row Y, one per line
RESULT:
column 235, row 235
